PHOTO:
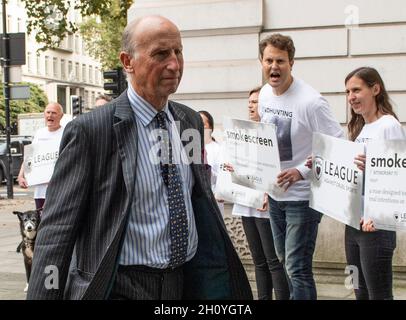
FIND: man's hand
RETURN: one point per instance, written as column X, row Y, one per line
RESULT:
column 22, row 182
column 309, row 162
column 288, row 177
column 368, row 226
column 265, row 204
column 228, row 167
column 360, row 161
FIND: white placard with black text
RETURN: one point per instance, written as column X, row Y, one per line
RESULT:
column 385, row 184
column 252, row 150
column 39, row 161
column 235, row 193
column 336, row 183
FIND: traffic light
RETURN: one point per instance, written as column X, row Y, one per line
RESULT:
column 116, row 81
column 76, row 104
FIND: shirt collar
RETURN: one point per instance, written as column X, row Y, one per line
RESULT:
column 143, row 110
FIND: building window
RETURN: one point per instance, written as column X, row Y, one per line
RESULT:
column 9, row 23
column 84, row 77
column 55, row 66
column 47, row 71
column 70, row 41
column 77, row 71
column 77, row 44
column 96, row 76
column 90, row 74
column 20, row 27
column 63, row 69
column 70, row 71
column 29, row 62
column 38, row 64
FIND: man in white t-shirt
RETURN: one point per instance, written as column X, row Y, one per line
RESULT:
column 53, row 131
column 297, row 110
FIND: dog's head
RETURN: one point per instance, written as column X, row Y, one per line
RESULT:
column 29, row 221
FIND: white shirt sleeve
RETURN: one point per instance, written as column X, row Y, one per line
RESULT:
column 321, row 119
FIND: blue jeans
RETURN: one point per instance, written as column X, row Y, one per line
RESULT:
column 294, row 227
column 371, row 253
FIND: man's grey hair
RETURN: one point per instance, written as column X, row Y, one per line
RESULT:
column 127, row 41
column 55, row 104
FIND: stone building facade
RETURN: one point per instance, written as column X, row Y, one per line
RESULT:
column 332, row 38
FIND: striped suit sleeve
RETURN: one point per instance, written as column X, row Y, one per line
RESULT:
column 65, row 206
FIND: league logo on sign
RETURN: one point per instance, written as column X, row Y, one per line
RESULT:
column 29, row 162
column 396, row 216
column 318, row 167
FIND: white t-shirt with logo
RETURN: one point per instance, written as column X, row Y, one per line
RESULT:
column 297, row 113
column 385, row 128
column 44, row 135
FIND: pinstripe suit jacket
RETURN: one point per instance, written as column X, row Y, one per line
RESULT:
column 88, row 203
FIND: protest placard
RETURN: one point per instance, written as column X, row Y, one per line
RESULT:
column 385, row 184
column 336, row 183
column 252, row 150
column 39, row 162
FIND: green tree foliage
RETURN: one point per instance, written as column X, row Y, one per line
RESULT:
column 102, row 36
column 36, row 103
column 49, row 18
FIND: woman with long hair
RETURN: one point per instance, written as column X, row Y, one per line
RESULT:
column 369, row 249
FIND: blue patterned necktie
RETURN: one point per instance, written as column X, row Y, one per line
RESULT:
column 177, row 208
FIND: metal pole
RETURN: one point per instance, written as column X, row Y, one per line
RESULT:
column 6, row 72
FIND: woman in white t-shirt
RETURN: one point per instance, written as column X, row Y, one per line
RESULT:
column 213, row 155
column 369, row 249
column 269, row 272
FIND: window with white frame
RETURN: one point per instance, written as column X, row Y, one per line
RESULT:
column 84, row 74
column 38, row 64
column 70, row 71
column 90, row 74
column 47, row 71
column 63, row 69
column 77, row 71
column 77, row 44
column 55, row 66
column 29, row 62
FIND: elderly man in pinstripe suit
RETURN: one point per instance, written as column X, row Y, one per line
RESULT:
column 109, row 199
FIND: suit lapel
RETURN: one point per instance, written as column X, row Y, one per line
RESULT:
column 180, row 117
column 125, row 129
column 199, row 170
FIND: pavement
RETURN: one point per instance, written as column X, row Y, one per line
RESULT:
column 12, row 271
column 330, row 283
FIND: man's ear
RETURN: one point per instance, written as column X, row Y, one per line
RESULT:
column 291, row 62
column 125, row 59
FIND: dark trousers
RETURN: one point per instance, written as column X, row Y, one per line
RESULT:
column 145, row 283
column 39, row 203
column 269, row 272
column 371, row 253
